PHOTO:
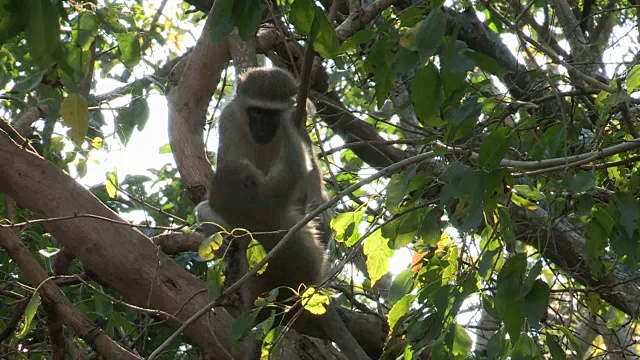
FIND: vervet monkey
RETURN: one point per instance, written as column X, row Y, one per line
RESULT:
column 260, row 184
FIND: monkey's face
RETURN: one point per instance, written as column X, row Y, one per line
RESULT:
column 264, row 123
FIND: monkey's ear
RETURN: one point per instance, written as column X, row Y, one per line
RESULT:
column 311, row 109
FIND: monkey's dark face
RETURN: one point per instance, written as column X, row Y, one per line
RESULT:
column 264, row 123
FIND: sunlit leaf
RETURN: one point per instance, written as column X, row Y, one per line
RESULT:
column 129, row 45
column 111, row 185
column 210, row 245
column 84, row 29
column 346, row 225
column 399, row 309
column 255, row 254
column 633, row 79
column 314, row 301
column 75, row 114
column 378, row 254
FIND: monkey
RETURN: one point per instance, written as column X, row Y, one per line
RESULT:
column 261, row 184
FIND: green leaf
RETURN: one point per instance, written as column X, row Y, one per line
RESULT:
column 81, row 167
column 210, row 245
column 429, row 230
column 346, row 225
column 242, row 325
column 557, row 352
column 404, row 229
column 536, row 302
column 314, row 301
column 401, row 286
column 165, row 149
column 430, row 34
column 596, row 242
column 130, row 51
column 378, row 254
column 84, row 29
column 215, row 279
column 397, row 189
column 529, row 281
column 629, row 210
column 42, row 31
column 301, row 15
column 510, row 306
column 464, row 119
column 133, row 116
column 325, row 40
column 75, row 114
column 580, row 182
column 11, row 19
column 255, row 254
column 633, row 79
column 111, row 185
column 529, row 192
column 486, row 63
column 221, row 24
column 359, row 38
column 426, row 94
column 30, row 82
column 399, row 309
column 29, row 313
column 494, row 147
column 526, row 349
column 247, row 15
column 573, row 340
column 523, row 202
column 458, row 340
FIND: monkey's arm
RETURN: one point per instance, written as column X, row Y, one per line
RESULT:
column 211, row 221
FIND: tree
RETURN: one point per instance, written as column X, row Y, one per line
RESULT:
column 496, row 144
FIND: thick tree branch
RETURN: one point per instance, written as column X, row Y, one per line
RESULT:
column 191, row 87
column 121, row 256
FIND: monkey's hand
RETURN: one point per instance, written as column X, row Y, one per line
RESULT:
column 251, row 176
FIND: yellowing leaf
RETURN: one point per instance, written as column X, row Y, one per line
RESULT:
column 210, row 245
column 378, row 254
column 75, row 114
column 314, row 301
column 97, row 142
column 255, row 254
column 111, row 184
